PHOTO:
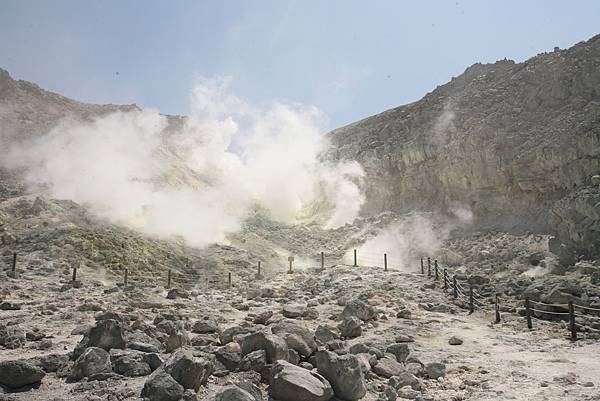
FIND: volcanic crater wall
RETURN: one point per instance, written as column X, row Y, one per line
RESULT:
column 518, row 143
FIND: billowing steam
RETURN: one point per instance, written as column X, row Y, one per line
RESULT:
column 408, row 238
column 198, row 181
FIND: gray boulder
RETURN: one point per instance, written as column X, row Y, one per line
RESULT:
column 106, row 334
column 293, row 383
column 388, row 367
column 239, row 392
column 161, row 386
column 256, row 361
column 345, row 374
column 93, row 363
column 350, row 327
column 296, row 337
column 324, row 334
column 400, row 350
column 360, row 310
column 275, row 347
column 435, row 370
column 130, row 364
column 294, row 311
column 205, row 326
column 20, row 373
column 188, row 370
column 176, row 340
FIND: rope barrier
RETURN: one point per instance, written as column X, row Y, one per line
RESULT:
column 587, row 327
column 586, row 308
column 548, row 312
column 555, row 305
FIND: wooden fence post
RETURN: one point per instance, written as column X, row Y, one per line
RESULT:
column 355, row 264
column 572, row 321
column 471, row 308
column 169, row 279
column 229, row 280
column 14, row 262
column 422, row 267
column 528, row 314
column 454, row 287
column 385, row 262
column 259, row 268
column 428, row 266
column 322, row 260
column 74, row 278
column 445, row 279
column 436, row 269
column 497, row 308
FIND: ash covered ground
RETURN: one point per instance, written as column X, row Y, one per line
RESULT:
column 372, row 334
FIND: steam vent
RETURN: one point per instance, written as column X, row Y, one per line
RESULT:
column 226, row 243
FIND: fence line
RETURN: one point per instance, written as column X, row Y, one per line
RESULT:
column 170, row 277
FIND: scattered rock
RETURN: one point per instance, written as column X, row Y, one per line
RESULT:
column 160, row 386
column 20, row 373
column 188, row 370
column 435, row 370
column 358, row 309
column 293, row 383
column 296, row 337
column 93, row 363
column 455, row 341
column 388, row 367
column 350, row 327
column 344, row 373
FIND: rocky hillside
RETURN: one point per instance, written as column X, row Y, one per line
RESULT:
column 518, row 143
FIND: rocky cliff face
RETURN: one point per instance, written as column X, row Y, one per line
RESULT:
column 517, row 143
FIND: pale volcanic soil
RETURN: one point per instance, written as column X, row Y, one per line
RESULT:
column 495, row 361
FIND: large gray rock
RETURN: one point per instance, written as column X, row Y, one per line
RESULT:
column 206, row 325
column 325, row 333
column 19, row 373
column 188, row 370
column 106, row 334
column 296, row 337
column 435, row 370
column 130, row 364
column 256, row 361
column 161, row 386
column 294, row 311
column 244, row 391
column 399, row 350
column 293, row 383
column 275, row 347
column 350, row 327
column 344, row 373
column 388, row 367
column 358, row 309
column 94, row 362
column 177, row 340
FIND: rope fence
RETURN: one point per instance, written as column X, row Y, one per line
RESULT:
column 538, row 310
column 580, row 318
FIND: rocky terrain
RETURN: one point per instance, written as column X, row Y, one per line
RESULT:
column 92, row 310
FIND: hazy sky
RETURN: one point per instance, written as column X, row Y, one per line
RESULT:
column 351, row 59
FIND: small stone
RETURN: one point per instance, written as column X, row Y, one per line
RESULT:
column 350, row 327
column 435, row 370
column 455, row 341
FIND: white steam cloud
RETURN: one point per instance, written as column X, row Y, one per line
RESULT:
column 408, row 238
column 198, row 181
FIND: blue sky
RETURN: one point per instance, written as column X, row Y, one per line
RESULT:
column 349, row 58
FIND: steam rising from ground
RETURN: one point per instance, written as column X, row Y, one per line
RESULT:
column 408, row 238
column 200, row 181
